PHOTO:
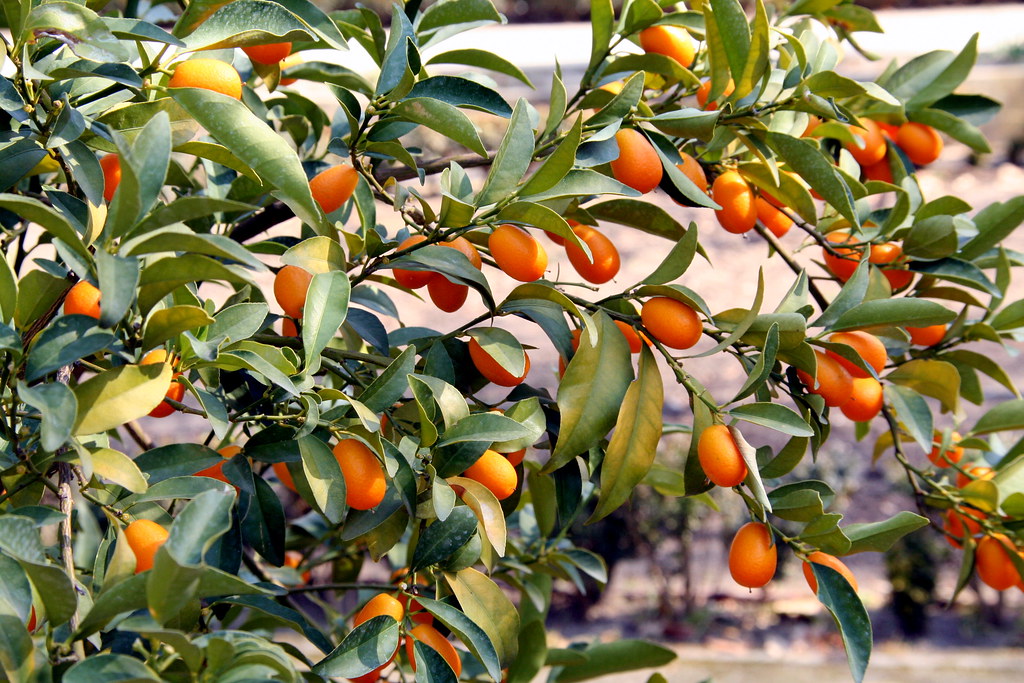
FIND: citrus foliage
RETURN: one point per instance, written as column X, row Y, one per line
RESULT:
column 145, row 165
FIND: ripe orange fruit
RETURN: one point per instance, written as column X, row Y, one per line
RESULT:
column 889, row 130
column 446, row 295
column 739, row 212
column 974, row 473
column 432, row 638
column 812, row 123
column 720, row 457
column 869, row 347
column 31, row 625
column 271, row 53
column 379, row 605
column 638, row 164
column 217, row 471
column 886, row 253
column 844, row 262
column 878, row 171
column 865, row 400
column 290, row 286
column 288, row 62
column 111, row 165
column 927, row 336
column 412, row 279
column 332, row 188
column 289, row 328
column 466, row 247
column 752, row 557
column 209, row 74
column 834, row 383
column 605, row 263
column 83, row 299
column 922, row 144
column 898, row 277
column 515, row 457
column 671, row 41
column 495, row 472
column 284, row 476
column 671, row 322
column 692, row 169
column 489, row 368
column 371, row 677
column 176, row 390
column 951, row 456
column 992, row 560
column 777, row 222
column 517, row 253
column 365, row 482
column 144, row 538
column 830, row 561
column 961, row 522
column 631, row 335
column 293, row 559
column 871, row 147
column 705, row 89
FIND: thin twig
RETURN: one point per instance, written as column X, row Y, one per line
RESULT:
column 791, row 262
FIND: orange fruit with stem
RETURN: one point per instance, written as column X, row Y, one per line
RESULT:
column 365, row 481
column 865, row 400
column 752, row 556
column 217, row 471
column 671, row 322
column 491, row 369
column 870, row 148
column 777, row 222
column 880, row 171
column 671, row 41
column 638, row 164
column 830, row 561
column 111, row 166
column 705, row 89
column 271, row 53
column 332, row 187
column 869, row 347
column 412, row 279
column 993, row 564
column 720, row 456
column 517, row 253
column 841, row 261
column 974, row 473
column 209, row 74
column 631, row 335
column 176, row 390
column 83, row 299
column 379, row 605
column 927, row 336
column 899, row 278
column 739, row 210
column 603, row 263
column 447, row 295
column 145, row 538
column 949, row 456
column 692, row 169
column 921, row 143
column 831, row 381
column 961, row 522
column 495, row 472
column 432, row 638
column 460, row 243
column 291, row 283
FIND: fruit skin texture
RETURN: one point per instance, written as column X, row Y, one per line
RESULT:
column 777, row 222
column 111, row 165
column 518, row 253
column 927, row 336
column 871, row 149
column 83, row 299
column 175, row 392
column 671, row 41
column 412, row 279
column 692, row 169
column 922, row 144
column 865, row 400
column 739, row 211
column 332, row 187
column 379, row 605
column 365, row 482
column 830, row 561
column 671, row 322
column 638, row 164
column 446, row 295
column 217, row 471
column 209, row 74
column 720, row 457
column 834, row 383
column 495, row 472
column 431, row 637
column 284, row 476
column 993, row 563
column 144, row 538
column 271, row 53
column 489, row 368
column 752, row 557
column 290, row 286
column 869, row 347
column 605, row 264
column 952, row 455
column 515, row 457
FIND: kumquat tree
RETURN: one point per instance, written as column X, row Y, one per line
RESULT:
column 189, row 234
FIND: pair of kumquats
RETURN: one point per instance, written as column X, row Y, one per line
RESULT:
column 845, row 384
column 842, row 261
column 753, row 559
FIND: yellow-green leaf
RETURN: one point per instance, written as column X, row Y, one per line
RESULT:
column 116, row 396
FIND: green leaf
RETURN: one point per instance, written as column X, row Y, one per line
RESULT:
column 247, row 22
column 956, row 128
column 47, row 218
column 634, row 444
column 591, row 391
column 603, row 659
column 490, row 609
column 320, row 473
column 482, row 59
column 478, row 642
column 110, row 667
column 488, row 427
column 161, row 277
column 258, row 145
column 728, row 37
column 503, row 347
column 558, row 163
column 838, row 596
column 8, row 291
column 168, row 323
column 880, row 313
column 442, row 538
column 678, row 259
column 934, row 378
column 602, row 22
column 66, row 340
column 118, row 468
column 323, row 315
column 119, row 395
column 641, row 215
column 1004, row 417
column 118, row 279
column 177, row 239
column 461, row 92
column 879, row 537
column 79, row 28
column 994, row 223
column 366, row 647
column 913, row 412
column 206, row 518
column 940, row 84
column 811, row 164
column 773, row 416
column 688, row 123
column 390, row 385
column 763, row 367
column 442, row 118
